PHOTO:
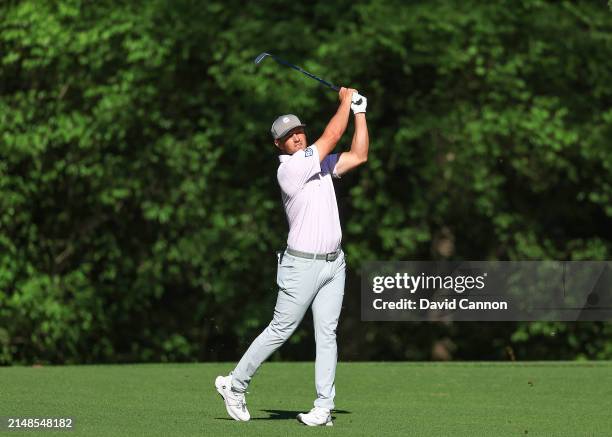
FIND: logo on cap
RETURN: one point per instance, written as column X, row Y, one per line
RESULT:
column 286, row 120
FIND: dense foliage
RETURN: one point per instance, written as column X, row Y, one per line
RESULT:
column 139, row 211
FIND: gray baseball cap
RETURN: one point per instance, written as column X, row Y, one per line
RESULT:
column 283, row 124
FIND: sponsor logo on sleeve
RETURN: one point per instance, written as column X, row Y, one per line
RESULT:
column 308, row 152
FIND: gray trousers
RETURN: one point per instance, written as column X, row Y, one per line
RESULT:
column 302, row 283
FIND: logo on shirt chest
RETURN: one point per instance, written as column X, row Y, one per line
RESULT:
column 308, row 152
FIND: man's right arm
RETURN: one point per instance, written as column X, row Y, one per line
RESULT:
column 337, row 125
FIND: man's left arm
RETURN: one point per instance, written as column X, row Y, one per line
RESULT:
column 358, row 154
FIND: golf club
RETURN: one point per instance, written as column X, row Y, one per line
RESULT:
column 281, row 61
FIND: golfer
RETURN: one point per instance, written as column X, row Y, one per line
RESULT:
column 311, row 270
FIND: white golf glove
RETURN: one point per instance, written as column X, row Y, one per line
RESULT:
column 359, row 103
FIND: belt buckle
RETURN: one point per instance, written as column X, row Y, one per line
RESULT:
column 327, row 256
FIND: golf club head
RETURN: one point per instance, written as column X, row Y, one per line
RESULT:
column 261, row 57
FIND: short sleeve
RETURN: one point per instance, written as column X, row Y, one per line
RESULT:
column 298, row 169
column 329, row 165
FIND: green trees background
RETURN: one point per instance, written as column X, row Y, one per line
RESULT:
column 139, row 210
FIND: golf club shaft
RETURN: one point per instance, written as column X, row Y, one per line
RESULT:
column 301, row 70
column 281, row 61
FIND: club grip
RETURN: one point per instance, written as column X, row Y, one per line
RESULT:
column 337, row 88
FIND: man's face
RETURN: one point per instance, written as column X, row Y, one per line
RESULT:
column 292, row 142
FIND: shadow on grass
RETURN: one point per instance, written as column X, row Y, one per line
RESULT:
column 284, row 415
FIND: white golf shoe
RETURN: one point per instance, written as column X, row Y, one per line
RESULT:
column 316, row 417
column 235, row 403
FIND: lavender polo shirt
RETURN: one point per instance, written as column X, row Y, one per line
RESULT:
column 310, row 200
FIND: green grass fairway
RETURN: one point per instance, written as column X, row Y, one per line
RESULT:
column 373, row 399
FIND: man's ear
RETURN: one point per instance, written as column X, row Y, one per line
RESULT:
column 277, row 143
